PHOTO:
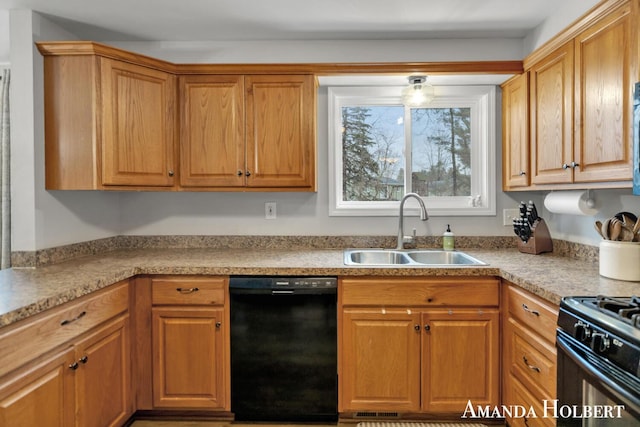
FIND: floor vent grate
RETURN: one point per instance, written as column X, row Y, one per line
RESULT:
column 376, row 415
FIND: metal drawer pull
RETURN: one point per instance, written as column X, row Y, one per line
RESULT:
column 78, row 317
column 528, row 310
column 187, row 291
column 73, row 366
column 532, row 367
column 218, row 325
column 84, row 359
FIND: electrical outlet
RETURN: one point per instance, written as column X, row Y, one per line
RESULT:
column 270, row 210
column 508, row 215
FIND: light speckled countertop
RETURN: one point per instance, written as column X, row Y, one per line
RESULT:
column 25, row 292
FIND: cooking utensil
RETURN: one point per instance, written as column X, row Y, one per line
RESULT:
column 615, row 227
column 605, row 228
column 598, row 227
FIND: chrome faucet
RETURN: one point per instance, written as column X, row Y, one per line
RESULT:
column 402, row 239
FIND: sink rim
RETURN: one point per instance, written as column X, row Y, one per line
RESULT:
column 410, row 262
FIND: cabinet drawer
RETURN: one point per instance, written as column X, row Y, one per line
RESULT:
column 188, row 291
column 417, row 292
column 35, row 336
column 533, row 360
column 534, row 313
column 535, row 415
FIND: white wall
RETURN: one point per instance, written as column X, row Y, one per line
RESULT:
column 567, row 12
column 41, row 219
column 4, row 38
column 44, row 219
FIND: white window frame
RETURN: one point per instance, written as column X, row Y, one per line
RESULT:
column 481, row 100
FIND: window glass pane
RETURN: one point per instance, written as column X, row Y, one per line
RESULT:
column 373, row 152
column 441, row 151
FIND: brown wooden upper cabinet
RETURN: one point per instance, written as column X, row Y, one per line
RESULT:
column 515, row 131
column 253, row 131
column 112, row 122
column 580, row 98
column 109, row 124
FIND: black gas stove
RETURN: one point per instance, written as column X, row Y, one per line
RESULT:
column 598, row 342
column 610, row 327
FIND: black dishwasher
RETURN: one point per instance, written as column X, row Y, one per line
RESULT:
column 284, row 348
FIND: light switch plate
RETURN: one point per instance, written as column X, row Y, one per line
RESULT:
column 508, row 215
column 270, row 210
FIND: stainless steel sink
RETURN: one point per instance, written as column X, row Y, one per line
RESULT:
column 413, row 257
column 443, row 258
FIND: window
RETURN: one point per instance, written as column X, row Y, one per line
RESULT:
column 380, row 150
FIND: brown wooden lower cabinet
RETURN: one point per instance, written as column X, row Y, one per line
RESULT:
column 190, row 343
column 188, row 355
column 83, row 382
column 40, row 395
column 428, row 349
column 529, row 355
column 103, row 376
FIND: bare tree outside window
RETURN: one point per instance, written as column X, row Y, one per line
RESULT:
column 441, row 151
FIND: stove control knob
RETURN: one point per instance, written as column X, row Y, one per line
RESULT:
column 582, row 331
column 601, row 342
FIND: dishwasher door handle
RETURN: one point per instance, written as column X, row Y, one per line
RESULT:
column 281, row 292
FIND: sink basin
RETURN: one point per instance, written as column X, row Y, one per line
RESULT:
column 376, row 257
column 443, row 258
column 413, row 257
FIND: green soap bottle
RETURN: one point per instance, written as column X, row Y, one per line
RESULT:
column 448, row 240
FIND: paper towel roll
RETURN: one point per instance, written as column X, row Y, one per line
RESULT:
column 570, row 202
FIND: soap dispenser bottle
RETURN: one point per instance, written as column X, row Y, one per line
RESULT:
column 448, row 240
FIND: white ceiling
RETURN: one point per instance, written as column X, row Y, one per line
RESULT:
column 187, row 20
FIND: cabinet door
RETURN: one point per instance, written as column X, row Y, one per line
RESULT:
column 515, row 122
column 280, row 131
column 604, row 80
column 42, row 396
column 551, row 103
column 188, row 358
column 103, row 376
column 380, row 360
column 460, row 359
column 212, row 131
column 138, row 125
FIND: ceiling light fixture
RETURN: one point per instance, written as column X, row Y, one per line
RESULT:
column 418, row 93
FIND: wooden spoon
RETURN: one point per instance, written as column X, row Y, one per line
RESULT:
column 615, row 227
column 598, row 227
column 605, row 228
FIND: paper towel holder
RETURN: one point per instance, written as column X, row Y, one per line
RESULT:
column 573, row 202
column 590, row 202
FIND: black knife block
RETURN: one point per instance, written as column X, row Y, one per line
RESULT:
column 540, row 240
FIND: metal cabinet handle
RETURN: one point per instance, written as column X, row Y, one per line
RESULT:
column 416, row 327
column 187, row 291
column 530, row 366
column 240, row 173
column 247, row 173
column 218, row 325
column 171, row 173
column 73, row 366
column 522, row 173
column 84, row 359
column 528, row 310
column 78, row 317
column 574, row 165
column 565, row 166
column 427, row 328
